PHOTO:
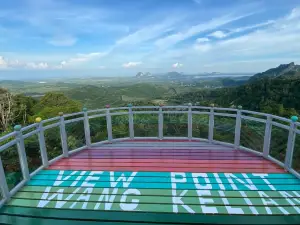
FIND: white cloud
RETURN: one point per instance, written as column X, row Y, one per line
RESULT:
column 63, row 41
column 131, row 64
column 14, row 64
column 80, row 58
column 3, row 63
column 201, row 40
column 194, row 30
column 218, row 34
column 177, row 65
column 41, row 65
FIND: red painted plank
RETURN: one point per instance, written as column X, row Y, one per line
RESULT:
column 114, row 160
column 163, row 169
column 168, row 165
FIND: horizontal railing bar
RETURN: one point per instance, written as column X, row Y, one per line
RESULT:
column 30, row 134
column 36, row 171
column 280, row 125
column 145, row 112
column 275, row 161
column 74, row 120
column 223, row 143
column 295, row 173
column 77, row 150
column 173, row 107
column 297, row 131
column 55, row 159
column 225, row 114
column 96, row 110
column 251, row 150
column 17, row 187
column 34, row 125
column 73, row 114
column 119, row 108
column 7, row 145
column 225, row 109
column 203, row 113
column 145, row 107
column 99, row 143
column 96, row 116
column 50, row 120
column 254, row 119
column 201, row 107
column 12, row 134
column 119, row 113
column 174, row 112
column 255, row 113
column 281, row 118
column 51, row 126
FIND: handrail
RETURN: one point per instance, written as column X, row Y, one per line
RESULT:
column 17, row 137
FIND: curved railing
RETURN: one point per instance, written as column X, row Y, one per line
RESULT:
column 275, row 138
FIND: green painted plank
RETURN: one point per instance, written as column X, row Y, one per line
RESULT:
column 133, row 205
column 172, row 218
column 139, row 179
column 165, row 199
column 164, row 192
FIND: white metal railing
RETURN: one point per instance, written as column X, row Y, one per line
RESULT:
column 17, row 137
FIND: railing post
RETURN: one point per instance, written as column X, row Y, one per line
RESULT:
column 238, row 124
column 42, row 142
column 21, row 152
column 130, row 122
column 3, row 183
column 108, row 124
column 87, row 132
column 63, row 135
column 267, row 138
column 211, row 124
column 290, row 144
column 161, row 122
column 190, row 122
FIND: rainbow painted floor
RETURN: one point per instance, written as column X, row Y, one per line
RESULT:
column 161, row 182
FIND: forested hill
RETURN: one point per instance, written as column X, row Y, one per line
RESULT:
column 283, row 70
column 278, row 96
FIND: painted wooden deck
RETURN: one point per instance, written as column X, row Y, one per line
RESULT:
column 161, row 182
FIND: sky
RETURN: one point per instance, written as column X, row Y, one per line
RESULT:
column 122, row 37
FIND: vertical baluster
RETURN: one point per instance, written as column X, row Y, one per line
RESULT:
column 63, row 135
column 87, row 131
column 291, row 143
column 160, row 122
column 21, row 152
column 3, row 183
column 267, row 138
column 42, row 142
column 190, row 122
column 211, row 124
column 108, row 124
column 238, row 123
column 130, row 122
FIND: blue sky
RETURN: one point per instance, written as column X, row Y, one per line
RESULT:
column 122, row 37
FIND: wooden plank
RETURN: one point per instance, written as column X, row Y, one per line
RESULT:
column 156, row 208
column 168, row 174
column 135, row 217
column 164, row 169
column 167, row 200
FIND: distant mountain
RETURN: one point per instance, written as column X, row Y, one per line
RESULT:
column 143, row 75
column 290, row 69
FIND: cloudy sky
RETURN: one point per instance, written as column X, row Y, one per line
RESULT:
column 122, row 37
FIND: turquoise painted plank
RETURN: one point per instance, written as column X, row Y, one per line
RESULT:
column 139, row 179
column 168, row 174
column 182, row 186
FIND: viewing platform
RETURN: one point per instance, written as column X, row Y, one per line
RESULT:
column 152, row 165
